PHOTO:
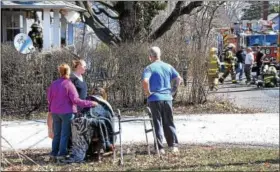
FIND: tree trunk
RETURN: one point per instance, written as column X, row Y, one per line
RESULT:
column 127, row 22
column 130, row 24
column 131, row 21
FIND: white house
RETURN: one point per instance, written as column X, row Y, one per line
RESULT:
column 56, row 18
column 275, row 18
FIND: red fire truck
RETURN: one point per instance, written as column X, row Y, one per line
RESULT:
column 267, row 43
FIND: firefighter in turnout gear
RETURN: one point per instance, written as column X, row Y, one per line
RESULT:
column 230, row 61
column 213, row 66
column 270, row 78
column 36, row 36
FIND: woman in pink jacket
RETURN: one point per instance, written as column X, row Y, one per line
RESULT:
column 63, row 99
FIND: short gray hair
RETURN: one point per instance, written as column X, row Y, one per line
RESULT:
column 155, row 52
column 249, row 48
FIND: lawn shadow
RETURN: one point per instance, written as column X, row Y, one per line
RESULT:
column 236, row 91
column 216, row 165
column 234, row 86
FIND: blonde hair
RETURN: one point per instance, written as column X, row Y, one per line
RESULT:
column 64, row 70
column 76, row 63
column 100, row 91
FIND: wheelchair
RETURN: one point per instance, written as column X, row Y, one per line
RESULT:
column 95, row 147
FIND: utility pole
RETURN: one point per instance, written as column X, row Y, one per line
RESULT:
column 265, row 9
column 278, row 46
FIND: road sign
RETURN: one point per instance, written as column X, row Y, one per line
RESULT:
column 23, row 43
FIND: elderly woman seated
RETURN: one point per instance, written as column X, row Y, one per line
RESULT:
column 93, row 131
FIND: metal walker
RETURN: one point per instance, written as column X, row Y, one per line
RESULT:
column 152, row 129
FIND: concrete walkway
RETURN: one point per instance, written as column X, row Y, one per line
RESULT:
column 245, row 129
column 243, row 96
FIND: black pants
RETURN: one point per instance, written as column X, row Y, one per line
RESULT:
column 163, row 119
column 259, row 68
column 248, row 71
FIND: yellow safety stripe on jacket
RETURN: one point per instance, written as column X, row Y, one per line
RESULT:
column 228, row 64
column 213, row 74
column 268, row 77
column 213, row 66
column 213, row 62
column 213, row 70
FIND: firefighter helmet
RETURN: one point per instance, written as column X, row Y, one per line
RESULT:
column 35, row 25
column 213, row 50
column 231, row 45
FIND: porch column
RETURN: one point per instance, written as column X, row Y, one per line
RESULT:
column 56, row 29
column 46, row 29
column 64, row 29
column 24, row 23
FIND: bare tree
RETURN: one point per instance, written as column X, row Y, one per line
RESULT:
column 134, row 17
column 229, row 13
column 118, row 69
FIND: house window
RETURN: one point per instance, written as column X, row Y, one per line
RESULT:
column 12, row 25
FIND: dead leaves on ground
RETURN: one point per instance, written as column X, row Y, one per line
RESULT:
column 191, row 157
column 211, row 107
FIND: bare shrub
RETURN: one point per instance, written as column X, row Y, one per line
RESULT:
column 119, row 71
column 25, row 79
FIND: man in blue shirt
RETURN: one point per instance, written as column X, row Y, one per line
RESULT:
column 157, row 78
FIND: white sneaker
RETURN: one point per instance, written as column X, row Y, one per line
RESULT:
column 161, row 151
column 174, row 150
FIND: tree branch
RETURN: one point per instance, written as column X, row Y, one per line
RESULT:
column 188, row 9
column 101, row 31
column 101, row 10
column 197, row 11
column 178, row 11
column 106, row 5
column 106, row 13
column 210, row 22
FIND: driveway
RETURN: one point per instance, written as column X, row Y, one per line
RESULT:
column 265, row 99
column 245, row 129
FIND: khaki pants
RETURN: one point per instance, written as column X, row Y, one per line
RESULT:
column 213, row 81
